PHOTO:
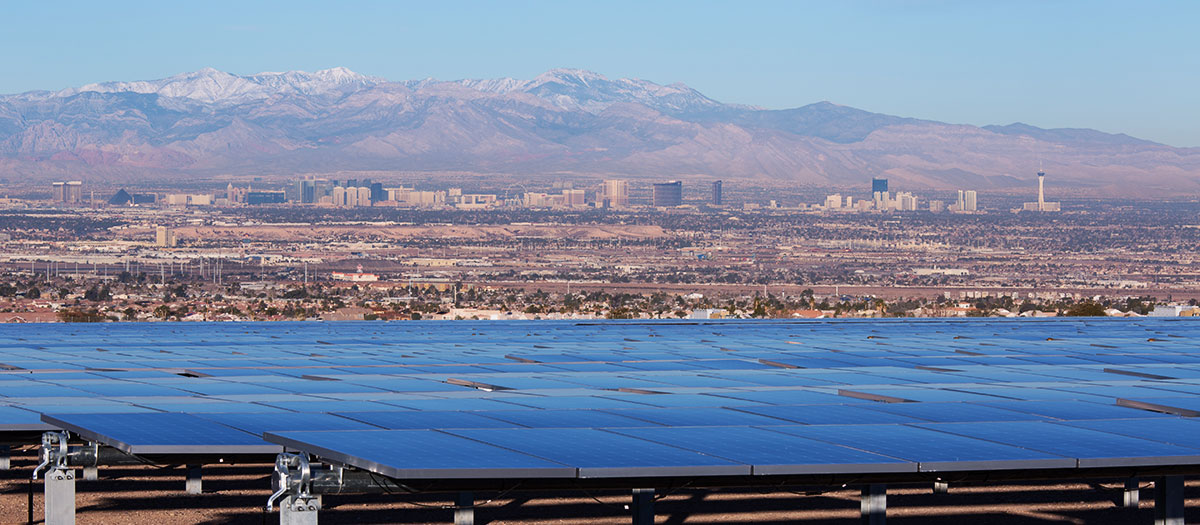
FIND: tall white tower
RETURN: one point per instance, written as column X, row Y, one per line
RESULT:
column 1041, row 190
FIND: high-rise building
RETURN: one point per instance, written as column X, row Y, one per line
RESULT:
column 970, row 204
column 717, row 198
column 164, row 237
column 377, row 192
column 668, row 194
column 833, row 202
column 615, row 193
column 961, row 203
column 879, row 185
column 573, row 198
column 67, row 192
column 304, row 192
column 906, row 201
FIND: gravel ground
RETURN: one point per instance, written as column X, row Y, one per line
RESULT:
column 236, row 494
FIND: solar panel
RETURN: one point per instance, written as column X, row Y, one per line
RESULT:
column 1092, row 449
column 830, row 414
column 772, row 453
column 258, row 423
column 1069, row 410
column 564, row 418
column 161, row 433
column 674, row 376
column 951, row 412
column 17, row 420
column 684, row 417
column 410, row 419
column 420, row 454
column 600, row 454
column 1176, row 431
column 933, row 451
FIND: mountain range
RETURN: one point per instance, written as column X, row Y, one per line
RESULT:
column 564, row 122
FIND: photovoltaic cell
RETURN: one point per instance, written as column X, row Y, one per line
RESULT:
column 161, row 433
column 933, row 451
column 421, row 454
column 1092, row 449
column 772, row 452
column 600, row 454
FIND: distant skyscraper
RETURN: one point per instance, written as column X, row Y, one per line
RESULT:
column 164, row 237
column 717, row 198
column 668, row 194
column 961, row 203
column 970, row 204
column 615, row 192
column 879, row 185
column 68, row 192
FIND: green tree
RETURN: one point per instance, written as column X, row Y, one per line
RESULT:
column 162, row 311
column 1086, row 309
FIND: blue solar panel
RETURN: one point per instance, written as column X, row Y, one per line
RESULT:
column 951, row 412
column 162, row 433
column 564, row 418
column 933, row 451
column 1070, row 410
column 258, row 423
column 600, row 454
column 682, row 417
column 1091, row 448
column 16, row 419
column 566, row 402
column 1184, row 432
column 419, row 454
column 401, row 420
column 829, row 414
column 772, row 452
column 402, row 369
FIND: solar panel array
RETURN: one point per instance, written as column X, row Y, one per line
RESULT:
column 623, row 399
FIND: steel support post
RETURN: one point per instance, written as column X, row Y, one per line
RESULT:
column 873, row 504
column 1168, row 500
column 643, row 507
column 91, row 473
column 60, row 496
column 194, row 483
column 1132, row 496
column 465, row 513
column 941, row 487
column 5, row 457
column 299, row 510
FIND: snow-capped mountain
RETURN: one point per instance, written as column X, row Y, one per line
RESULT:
column 564, row 120
column 593, row 92
column 211, row 86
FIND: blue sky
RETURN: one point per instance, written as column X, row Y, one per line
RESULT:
column 1131, row 67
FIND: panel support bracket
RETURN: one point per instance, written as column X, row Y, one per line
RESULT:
column 873, row 504
column 464, row 511
column 1132, row 494
column 643, row 507
column 1168, row 500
